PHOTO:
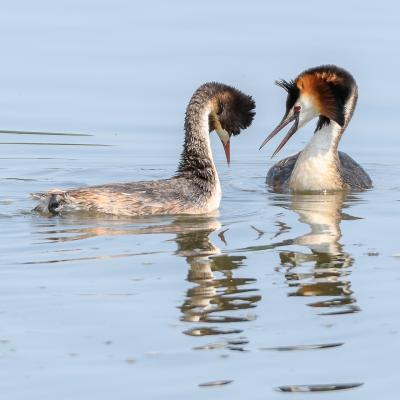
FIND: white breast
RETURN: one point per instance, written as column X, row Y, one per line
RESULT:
column 316, row 168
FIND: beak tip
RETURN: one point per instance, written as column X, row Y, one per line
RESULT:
column 227, row 149
column 291, row 132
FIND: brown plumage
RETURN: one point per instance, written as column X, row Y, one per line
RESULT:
column 194, row 189
column 328, row 93
column 322, row 87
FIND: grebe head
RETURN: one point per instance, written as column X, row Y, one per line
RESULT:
column 231, row 111
column 322, row 92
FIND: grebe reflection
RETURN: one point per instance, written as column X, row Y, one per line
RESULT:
column 217, row 295
column 325, row 270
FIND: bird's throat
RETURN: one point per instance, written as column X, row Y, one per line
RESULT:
column 317, row 167
column 196, row 159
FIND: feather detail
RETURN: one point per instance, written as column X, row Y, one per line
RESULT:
column 329, row 87
column 292, row 90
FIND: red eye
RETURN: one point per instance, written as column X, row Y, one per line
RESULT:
column 297, row 109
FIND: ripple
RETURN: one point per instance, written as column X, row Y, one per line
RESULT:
column 19, row 179
column 205, row 331
column 57, row 144
column 230, row 344
column 215, row 383
column 90, row 258
column 348, row 310
column 42, row 133
column 304, row 347
column 319, row 388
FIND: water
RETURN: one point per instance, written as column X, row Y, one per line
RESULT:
column 273, row 292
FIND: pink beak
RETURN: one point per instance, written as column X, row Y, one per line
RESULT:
column 227, row 149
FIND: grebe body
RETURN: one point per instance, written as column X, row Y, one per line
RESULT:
column 195, row 188
column 328, row 93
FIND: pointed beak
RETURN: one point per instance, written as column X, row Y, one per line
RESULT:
column 285, row 121
column 226, row 142
column 227, row 149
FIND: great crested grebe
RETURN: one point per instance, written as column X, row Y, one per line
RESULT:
column 195, row 189
column 329, row 93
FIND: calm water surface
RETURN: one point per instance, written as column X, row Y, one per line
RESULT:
column 271, row 293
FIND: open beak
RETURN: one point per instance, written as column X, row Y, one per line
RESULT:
column 285, row 121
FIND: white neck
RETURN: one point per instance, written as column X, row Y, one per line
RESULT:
column 216, row 194
column 205, row 134
column 317, row 168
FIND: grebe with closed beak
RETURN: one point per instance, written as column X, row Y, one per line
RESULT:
column 195, row 188
column 329, row 93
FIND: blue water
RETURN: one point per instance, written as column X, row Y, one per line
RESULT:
column 151, row 308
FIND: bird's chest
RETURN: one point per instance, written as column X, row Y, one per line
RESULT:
column 316, row 171
column 317, row 167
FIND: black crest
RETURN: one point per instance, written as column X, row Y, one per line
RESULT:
column 235, row 110
column 292, row 91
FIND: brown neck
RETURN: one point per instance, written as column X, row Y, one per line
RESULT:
column 196, row 158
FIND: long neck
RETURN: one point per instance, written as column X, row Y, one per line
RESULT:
column 328, row 132
column 318, row 167
column 196, row 160
column 325, row 140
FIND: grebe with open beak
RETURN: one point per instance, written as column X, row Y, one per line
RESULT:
column 195, row 189
column 329, row 93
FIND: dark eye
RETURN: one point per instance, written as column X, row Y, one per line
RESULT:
column 297, row 109
column 220, row 109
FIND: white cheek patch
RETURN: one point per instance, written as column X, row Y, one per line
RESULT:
column 308, row 110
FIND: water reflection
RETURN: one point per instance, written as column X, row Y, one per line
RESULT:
column 217, row 290
column 218, row 294
column 324, row 271
column 85, row 226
